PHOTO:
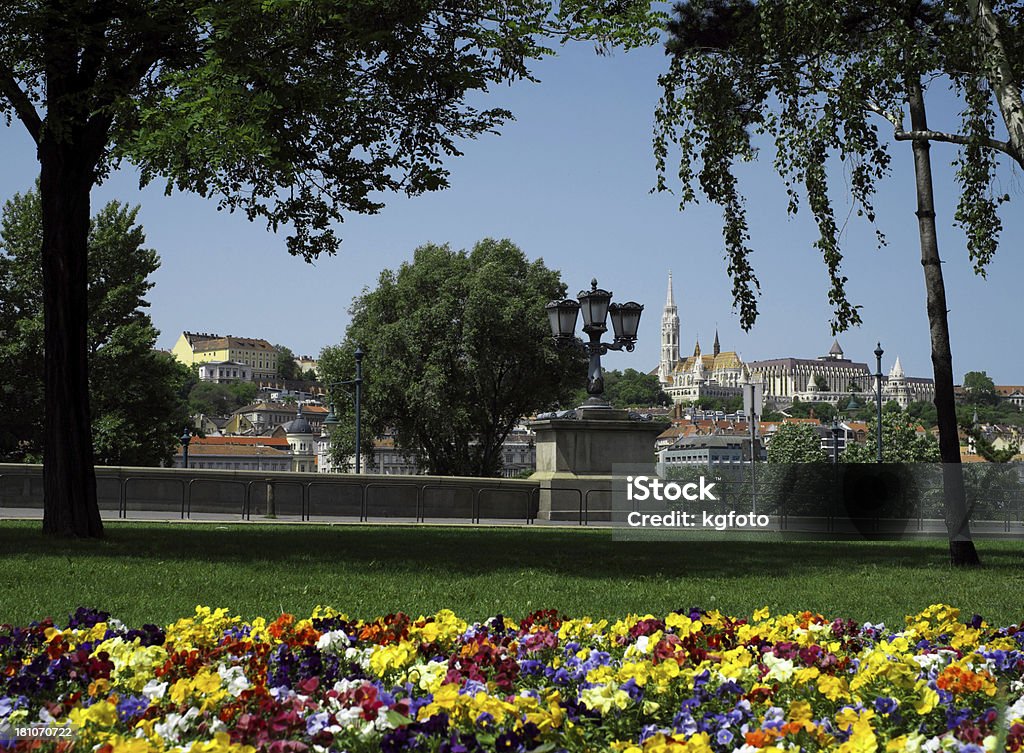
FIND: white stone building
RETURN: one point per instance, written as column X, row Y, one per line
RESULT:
column 223, row 372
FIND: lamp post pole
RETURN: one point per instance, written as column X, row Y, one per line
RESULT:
column 332, row 420
column 878, row 399
column 835, row 441
column 359, row 406
column 186, row 437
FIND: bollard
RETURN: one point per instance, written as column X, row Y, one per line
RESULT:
column 271, row 507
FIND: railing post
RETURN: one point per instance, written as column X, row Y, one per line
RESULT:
column 271, row 504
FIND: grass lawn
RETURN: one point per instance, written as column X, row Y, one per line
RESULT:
column 159, row 572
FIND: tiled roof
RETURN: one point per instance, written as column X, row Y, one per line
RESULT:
column 725, row 360
column 235, row 450
column 221, row 343
column 251, row 441
column 1007, row 389
column 824, row 364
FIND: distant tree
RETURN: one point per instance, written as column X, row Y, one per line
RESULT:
column 213, row 399
column 287, row 367
column 805, row 409
column 901, row 443
column 980, row 388
column 309, row 375
column 986, row 449
column 629, row 388
column 726, row 405
column 242, row 393
column 923, row 412
column 458, row 349
column 296, row 113
column 796, row 443
column 137, row 407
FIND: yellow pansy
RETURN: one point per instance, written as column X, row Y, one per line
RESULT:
column 832, row 687
column 682, row 625
column 927, row 700
column 639, row 671
column 101, row 713
column 392, row 656
column 805, row 675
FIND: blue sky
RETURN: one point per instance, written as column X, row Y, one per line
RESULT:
column 569, row 182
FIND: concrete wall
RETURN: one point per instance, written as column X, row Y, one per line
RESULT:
column 177, row 492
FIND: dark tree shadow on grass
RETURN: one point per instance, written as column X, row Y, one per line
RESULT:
column 577, row 553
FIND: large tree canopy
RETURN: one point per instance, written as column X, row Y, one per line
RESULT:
column 796, row 443
column 458, row 349
column 813, row 80
column 292, row 111
column 902, row 442
column 137, row 406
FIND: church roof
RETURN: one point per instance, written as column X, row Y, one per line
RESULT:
column 728, row 359
column 835, row 350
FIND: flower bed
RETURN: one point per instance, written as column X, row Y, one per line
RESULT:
column 690, row 681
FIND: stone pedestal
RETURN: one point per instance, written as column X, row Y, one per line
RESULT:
column 575, row 458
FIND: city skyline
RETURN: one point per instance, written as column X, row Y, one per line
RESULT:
column 569, row 182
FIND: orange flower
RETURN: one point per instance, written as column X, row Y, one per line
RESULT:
column 959, row 680
column 757, row 738
column 281, row 625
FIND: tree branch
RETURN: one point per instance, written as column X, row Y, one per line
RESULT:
column 21, row 103
column 953, row 138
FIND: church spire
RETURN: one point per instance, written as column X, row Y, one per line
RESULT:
column 669, row 336
column 696, row 348
column 717, row 347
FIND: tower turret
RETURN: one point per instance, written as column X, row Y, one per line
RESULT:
column 669, row 336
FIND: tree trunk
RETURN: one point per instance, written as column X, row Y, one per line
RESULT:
column 69, row 478
column 1000, row 75
column 961, row 547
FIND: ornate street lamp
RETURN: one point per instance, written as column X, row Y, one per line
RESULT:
column 878, row 385
column 596, row 305
column 332, row 419
column 186, row 437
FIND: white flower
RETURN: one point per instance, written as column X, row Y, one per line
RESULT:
column 175, row 724
column 778, row 669
column 359, row 656
column 154, row 690
column 1016, row 711
column 234, row 680
column 333, row 642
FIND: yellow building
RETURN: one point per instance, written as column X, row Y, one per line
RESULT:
column 261, row 356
